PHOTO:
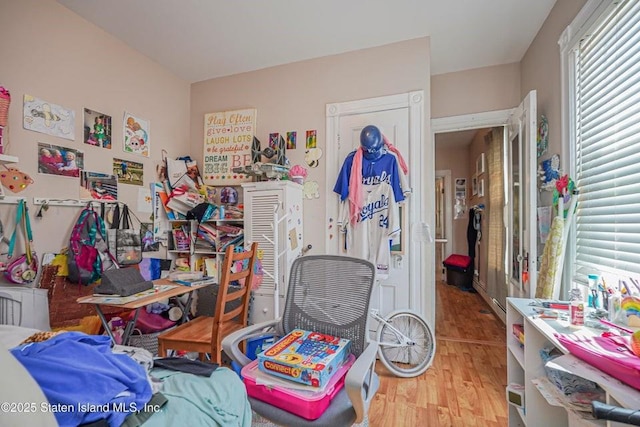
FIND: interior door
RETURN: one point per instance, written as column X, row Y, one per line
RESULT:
column 392, row 293
column 521, row 199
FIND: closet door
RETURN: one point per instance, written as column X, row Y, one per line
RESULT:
column 391, row 293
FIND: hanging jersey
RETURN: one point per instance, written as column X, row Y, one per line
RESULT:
column 379, row 221
column 385, row 169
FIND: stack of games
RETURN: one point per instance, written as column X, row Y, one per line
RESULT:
column 305, row 357
column 301, row 373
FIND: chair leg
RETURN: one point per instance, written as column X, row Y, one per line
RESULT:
column 202, row 356
column 162, row 351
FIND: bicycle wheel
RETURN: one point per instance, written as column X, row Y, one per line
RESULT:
column 406, row 344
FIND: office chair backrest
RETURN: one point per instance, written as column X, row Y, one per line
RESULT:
column 330, row 294
column 10, row 310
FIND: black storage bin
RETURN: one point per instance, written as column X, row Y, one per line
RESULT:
column 459, row 271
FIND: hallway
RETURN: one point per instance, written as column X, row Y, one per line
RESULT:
column 465, row 386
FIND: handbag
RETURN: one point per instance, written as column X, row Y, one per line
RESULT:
column 23, row 268
column 128, row 241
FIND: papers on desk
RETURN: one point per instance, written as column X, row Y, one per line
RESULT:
column 118, row 300
column 206, row 280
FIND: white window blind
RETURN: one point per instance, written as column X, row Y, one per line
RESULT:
column 608, row 145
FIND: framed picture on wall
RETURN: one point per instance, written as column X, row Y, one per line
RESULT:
column 481, row 188
column 474, row 186
column 480, row 164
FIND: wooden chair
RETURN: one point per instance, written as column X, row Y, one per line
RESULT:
column 204, row 334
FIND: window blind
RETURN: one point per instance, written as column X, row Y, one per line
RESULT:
column 608, row 145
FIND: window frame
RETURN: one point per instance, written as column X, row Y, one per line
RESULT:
column 591, row 13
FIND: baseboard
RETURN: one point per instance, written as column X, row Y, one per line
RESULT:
column 480, row 287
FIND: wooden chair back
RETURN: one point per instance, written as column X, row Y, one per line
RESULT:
column 226, row 319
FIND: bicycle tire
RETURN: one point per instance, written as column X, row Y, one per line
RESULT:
column 410, row 360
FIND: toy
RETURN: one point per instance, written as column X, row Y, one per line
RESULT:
column 306, row 357
column 549, row 172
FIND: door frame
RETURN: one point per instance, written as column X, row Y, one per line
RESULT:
column 482, row 120
column 448, row 211
column 421, row 297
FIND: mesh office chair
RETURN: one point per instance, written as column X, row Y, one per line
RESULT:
column 327, row 294
column 10, row 310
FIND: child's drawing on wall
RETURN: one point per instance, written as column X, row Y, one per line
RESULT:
column 45, row 117
column 136, row 135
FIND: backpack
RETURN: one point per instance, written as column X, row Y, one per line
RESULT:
column 88, row 252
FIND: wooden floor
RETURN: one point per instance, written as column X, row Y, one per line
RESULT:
column 465, row 386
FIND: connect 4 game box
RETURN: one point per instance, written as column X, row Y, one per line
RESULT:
column 305, row 357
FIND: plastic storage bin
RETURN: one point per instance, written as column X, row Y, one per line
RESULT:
column 302, row 401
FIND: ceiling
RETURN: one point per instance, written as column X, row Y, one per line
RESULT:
column 459, row 139
column 203, row 39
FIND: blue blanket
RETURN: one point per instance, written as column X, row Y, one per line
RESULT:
column 83, row 380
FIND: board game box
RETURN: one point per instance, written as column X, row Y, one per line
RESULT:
column 305, row 357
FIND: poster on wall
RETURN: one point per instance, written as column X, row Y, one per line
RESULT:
column 136, row 135
column 97, row 129
column 228, row 136
column 58, row 160
column 45, row 117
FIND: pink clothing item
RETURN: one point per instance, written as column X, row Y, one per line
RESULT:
column 355, row 180
column 393, row 149
column 355, row 186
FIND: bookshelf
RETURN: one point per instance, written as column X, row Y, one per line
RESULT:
column 200, row 247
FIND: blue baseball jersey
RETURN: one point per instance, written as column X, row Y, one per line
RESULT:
column 385, row 169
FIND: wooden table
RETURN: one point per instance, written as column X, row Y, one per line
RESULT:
column 163, row 289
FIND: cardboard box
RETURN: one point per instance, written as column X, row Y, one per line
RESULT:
column 305, row 357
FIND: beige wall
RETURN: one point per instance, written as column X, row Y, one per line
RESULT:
column 540, row 70
column 49, row 52
column 475, row 91
column 457, row 161
column 293, row 97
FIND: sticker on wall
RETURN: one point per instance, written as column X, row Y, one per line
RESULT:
column 310, row 189
column 45, row 117
column 311, row 139
column 97, row 129
column 291, row 140
column 136, row 135
column 128, row 172
column 273, row 140
column 58, row 160
column 312, row 157
column 98, row 186
column 15, row 180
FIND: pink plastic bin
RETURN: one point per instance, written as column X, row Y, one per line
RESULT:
column 306, row 404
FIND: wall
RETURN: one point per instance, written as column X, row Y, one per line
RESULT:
column 475, row 91
column 457, row 161
column 293, row 97
column 540, row 69
column 49, row 52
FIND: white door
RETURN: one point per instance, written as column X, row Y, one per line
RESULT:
column 521, row 199
column 392, row 293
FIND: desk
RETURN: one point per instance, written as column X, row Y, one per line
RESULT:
column 163, row 289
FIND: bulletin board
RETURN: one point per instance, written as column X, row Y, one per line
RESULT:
column 228, row 136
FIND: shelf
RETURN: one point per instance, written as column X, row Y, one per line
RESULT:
column 5, row 158
column 522, row 415
column 516, row 350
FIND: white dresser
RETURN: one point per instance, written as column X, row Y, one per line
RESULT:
column 24, row 306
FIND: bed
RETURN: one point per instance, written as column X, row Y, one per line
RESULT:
column 217, row 400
